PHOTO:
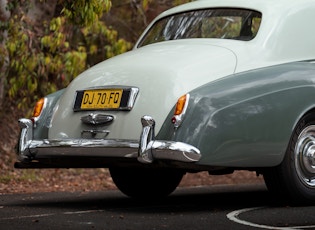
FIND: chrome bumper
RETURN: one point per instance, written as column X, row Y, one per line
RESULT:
column 146, row 151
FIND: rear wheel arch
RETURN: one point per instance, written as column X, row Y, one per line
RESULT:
column 294, row 178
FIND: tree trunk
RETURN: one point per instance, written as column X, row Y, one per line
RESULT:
column 41, row 11
column 4, row 58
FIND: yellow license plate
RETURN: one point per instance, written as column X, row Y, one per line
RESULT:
column 101, row 99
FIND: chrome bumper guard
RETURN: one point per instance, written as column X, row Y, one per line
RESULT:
column 146, row 151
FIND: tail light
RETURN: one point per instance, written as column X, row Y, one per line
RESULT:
column 38, row 108
column 180, row 110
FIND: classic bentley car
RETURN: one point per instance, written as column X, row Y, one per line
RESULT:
column 211, row 85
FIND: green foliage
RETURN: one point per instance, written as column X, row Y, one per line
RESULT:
column 41, row 63
column 85, row 12
column 101, row 42
column 130, row 18
column 178, row 2
column 45, row 59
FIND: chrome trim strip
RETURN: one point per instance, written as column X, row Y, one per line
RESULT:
column 146, row 152
column 97, row 119
column 151, row 149
column 146, row 139
column 84, row 148
column 26, row 137
column 132, row 97
column 99, row 134
column 178, row 151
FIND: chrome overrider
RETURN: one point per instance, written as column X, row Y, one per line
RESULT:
column 146, row 151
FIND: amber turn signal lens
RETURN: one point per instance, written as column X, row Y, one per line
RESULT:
column 180, row 105
column 38, row 107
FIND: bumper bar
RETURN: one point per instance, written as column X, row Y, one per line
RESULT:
column 146, row 151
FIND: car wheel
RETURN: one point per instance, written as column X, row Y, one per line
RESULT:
column 146, row 183
column 294, row 178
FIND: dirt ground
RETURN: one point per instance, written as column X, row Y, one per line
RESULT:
column 45, row 180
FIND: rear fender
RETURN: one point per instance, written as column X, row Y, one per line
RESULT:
column 246, row 119
column 42, row 123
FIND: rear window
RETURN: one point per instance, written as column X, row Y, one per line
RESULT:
column 239, row 24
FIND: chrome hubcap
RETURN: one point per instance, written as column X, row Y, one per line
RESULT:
column 305, row 156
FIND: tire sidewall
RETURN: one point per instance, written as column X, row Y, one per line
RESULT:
column 146, row 183
column 298, row 191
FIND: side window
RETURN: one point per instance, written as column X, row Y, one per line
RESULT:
column 232, row 27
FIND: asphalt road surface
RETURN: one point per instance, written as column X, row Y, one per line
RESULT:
column 207, row 207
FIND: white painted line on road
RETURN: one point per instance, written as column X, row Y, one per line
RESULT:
column 52, row 214
column 83, row 212
column 30, row 216
column 233, row 216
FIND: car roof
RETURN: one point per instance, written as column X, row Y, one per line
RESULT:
column 259, row 5
column 285, row 32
